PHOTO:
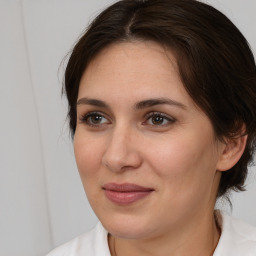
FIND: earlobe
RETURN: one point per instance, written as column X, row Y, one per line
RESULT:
column 231, row 152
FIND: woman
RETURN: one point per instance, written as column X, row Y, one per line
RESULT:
column 162, row 108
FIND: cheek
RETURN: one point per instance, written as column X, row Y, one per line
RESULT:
column 88, row 154
column 184, row 162
column 186, row 169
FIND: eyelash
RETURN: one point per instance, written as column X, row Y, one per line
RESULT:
column 86, row 117
column 167, row 118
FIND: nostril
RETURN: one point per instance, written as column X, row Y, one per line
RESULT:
column 122, row 153
column 123, row 161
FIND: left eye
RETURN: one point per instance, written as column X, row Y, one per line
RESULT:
column 159, row 119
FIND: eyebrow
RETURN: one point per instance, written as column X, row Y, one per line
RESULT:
column 158, row 101
column 139, row 105
column 93, row 102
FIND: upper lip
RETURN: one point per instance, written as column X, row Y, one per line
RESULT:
column 126, row 187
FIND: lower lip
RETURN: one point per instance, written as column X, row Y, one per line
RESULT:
column 125, row 198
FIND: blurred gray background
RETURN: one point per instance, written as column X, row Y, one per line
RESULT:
column 42, row 202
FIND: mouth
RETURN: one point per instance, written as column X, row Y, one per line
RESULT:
column 126, row 193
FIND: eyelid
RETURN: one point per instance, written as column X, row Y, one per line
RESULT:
column 84, row 118
column 157, row 113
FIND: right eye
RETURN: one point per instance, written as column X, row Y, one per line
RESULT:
column 94, row 119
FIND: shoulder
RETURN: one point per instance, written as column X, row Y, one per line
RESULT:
column 92, row 243
column 237, row 237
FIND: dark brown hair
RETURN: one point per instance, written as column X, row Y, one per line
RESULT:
column 215, row 64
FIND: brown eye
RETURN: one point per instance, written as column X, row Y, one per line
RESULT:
column 94, row 119
column 157, row 120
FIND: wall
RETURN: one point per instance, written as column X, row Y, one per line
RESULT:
column 42, row 203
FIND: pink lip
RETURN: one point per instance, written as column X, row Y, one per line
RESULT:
column 125, row 193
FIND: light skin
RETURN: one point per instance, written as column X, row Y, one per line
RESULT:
column 137, row 124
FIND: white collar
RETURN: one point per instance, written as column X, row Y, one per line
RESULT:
column 237, row 237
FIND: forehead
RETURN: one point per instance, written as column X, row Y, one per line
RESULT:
column 134, row 69
column 145, row 54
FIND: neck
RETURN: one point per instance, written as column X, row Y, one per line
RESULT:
column 198, row 239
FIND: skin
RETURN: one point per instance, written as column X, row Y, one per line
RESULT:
column 177, row 156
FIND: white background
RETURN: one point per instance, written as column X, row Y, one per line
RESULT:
column 42, row 203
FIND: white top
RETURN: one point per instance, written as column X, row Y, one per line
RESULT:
column 237, row 239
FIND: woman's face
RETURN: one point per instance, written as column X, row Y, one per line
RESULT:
column 146, row 154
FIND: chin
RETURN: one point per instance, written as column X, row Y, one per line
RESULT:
column 127, row 227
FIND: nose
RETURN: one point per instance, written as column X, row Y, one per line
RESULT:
column 122, row 150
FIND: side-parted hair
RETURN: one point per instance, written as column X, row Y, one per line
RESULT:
column 215, row 64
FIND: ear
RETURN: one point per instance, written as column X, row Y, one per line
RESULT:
column 231, row 152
